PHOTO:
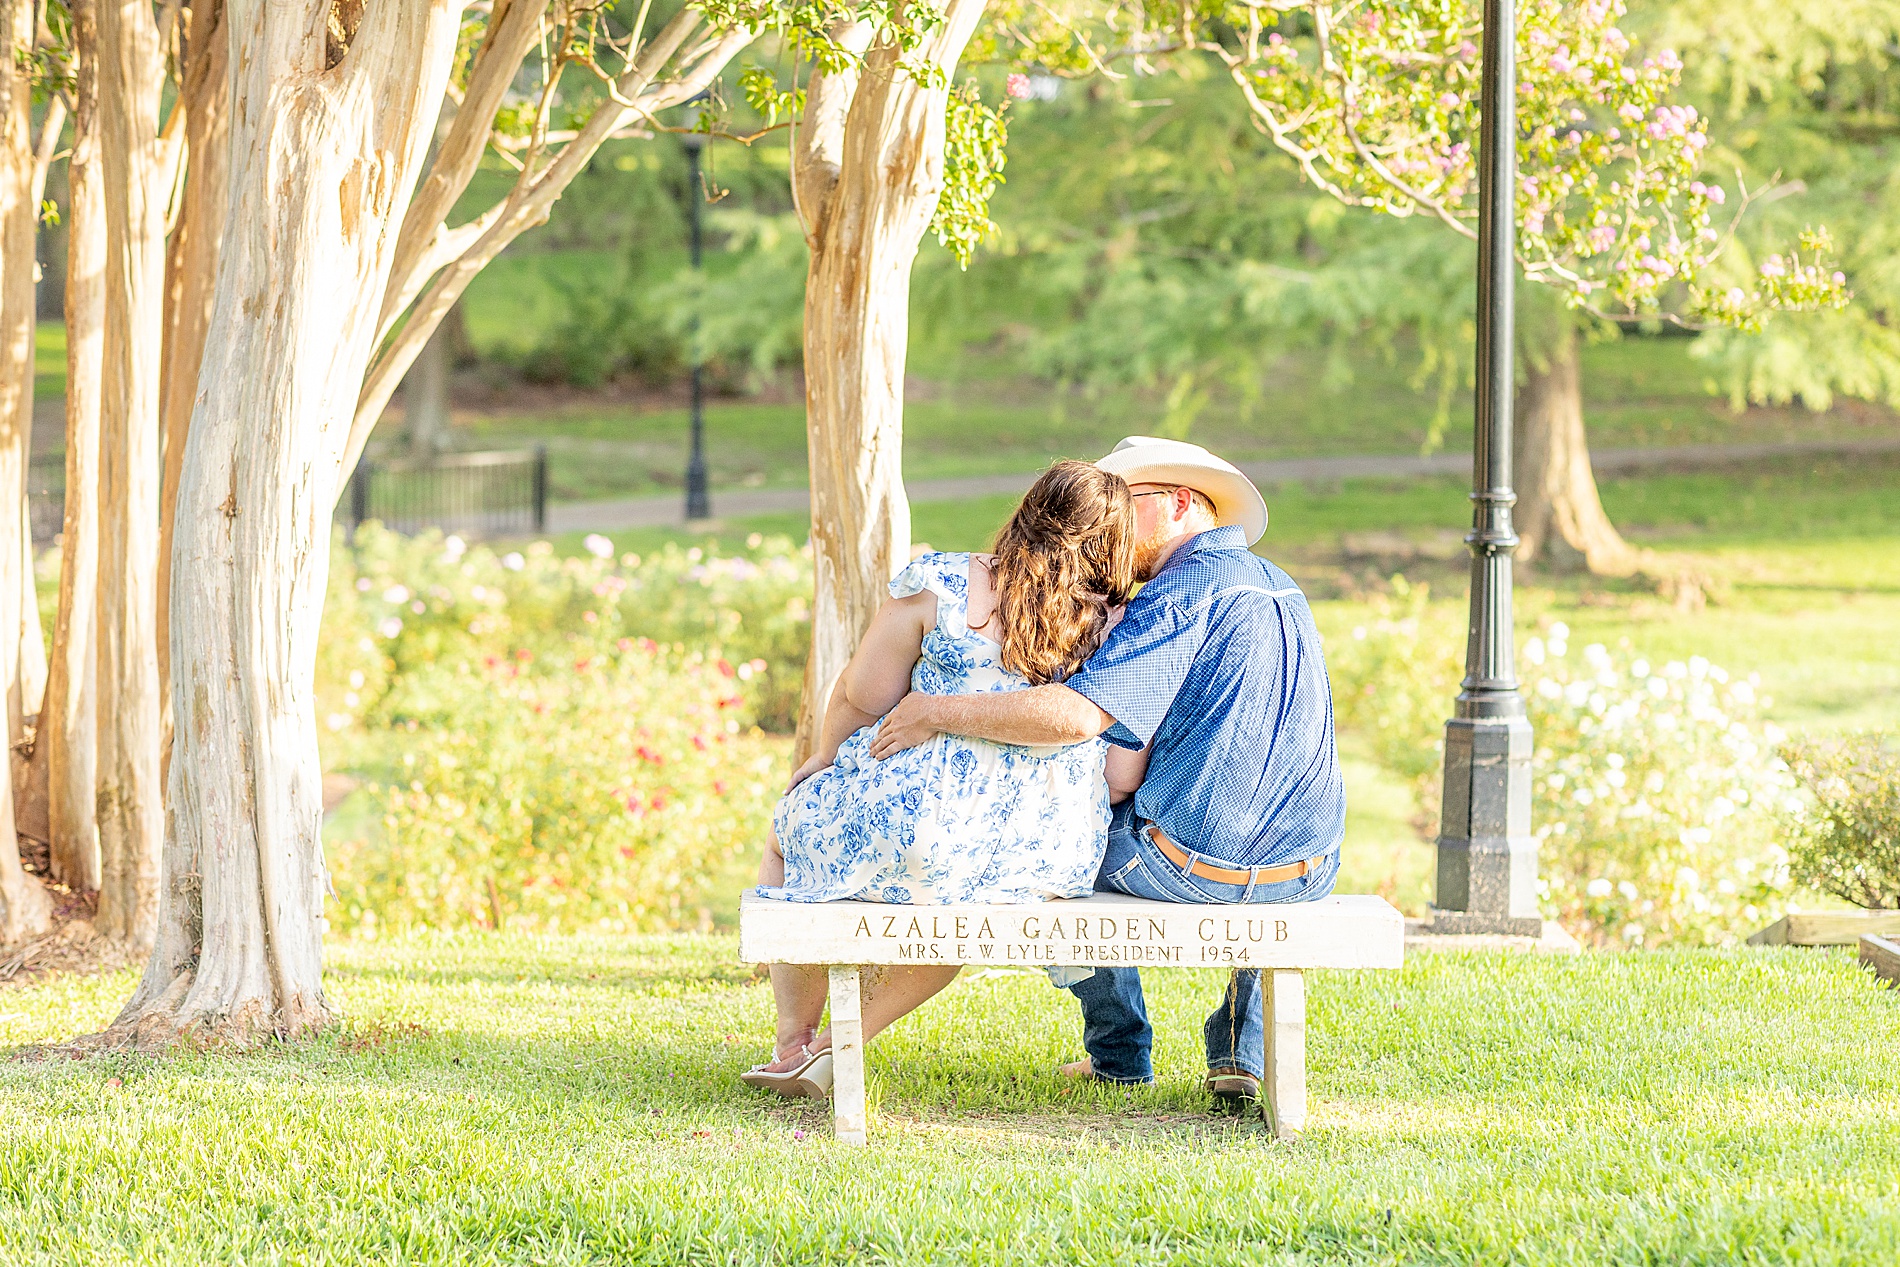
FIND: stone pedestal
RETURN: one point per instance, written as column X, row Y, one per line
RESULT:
column 1487, row 857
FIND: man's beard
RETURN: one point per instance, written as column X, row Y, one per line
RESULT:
column 1148, row 552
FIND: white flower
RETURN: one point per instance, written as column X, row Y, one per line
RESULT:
column 1687, row 878
column 1616, row 778
column 337, row 721
column 356, row 679
column 1614, row 760
column 1658, row 687
column 1597, row 656
column 598, row 546
column 695, row 554
column 1548, row 688
column 1654, row 782
column 1628, row 890
column 1676, row 669
column 1534, row 650
column 1742, row 693
column 513, row 561
column 1698, row 667
column 1555, row 782
column 362, row 585
column 1725, row 887
column 1577, row 694
column 390, row 626
column 753, row 541
column 453, row 548
column 1559, row 632
column 1359, row 633
column 1598, row 887
column 1720, row 808
column 396, row 594
column 1633, row 933
column 1639, row 669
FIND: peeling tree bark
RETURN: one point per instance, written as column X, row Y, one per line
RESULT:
column 25, row 908
column 137, row 160
column 330, row 120
column 1559, row 516
column 191, row 266
column 867, row 170
column 68, row 734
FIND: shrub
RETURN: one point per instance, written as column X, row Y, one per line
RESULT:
column 555, row 742
column 397, row 604
column 1657, row 789
column 1847, row 841
column 604, row 788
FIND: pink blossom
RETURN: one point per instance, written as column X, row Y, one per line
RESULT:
column 1559, row 64
column 1016, row 86
column 1447, row 100
column 1573, row 137
column 1840, row 278
column 1629, row 112
column 1773, row 267
column 1735, row 295
column 1716, row 195
column 1601, row 238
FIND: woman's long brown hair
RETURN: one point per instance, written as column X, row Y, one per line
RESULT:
column 1062, row 561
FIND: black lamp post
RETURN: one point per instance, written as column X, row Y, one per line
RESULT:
column 698, row 500
column 1487, row 857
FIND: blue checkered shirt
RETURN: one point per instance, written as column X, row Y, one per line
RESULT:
column 1218, row 662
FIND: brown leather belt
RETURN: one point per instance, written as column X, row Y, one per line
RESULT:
column 1227, row 875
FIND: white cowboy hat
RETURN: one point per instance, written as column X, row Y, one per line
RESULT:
column 1148, row 460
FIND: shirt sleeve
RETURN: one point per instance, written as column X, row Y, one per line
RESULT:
column 1138, row 670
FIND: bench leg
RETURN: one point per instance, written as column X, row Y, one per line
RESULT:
column 847, row 1056
column 1283, row 998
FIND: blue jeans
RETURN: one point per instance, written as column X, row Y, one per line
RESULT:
column 1115, row 1029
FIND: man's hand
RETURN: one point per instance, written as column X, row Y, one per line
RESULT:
column 912, row 722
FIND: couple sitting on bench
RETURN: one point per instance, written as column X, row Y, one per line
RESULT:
column 1016, row 727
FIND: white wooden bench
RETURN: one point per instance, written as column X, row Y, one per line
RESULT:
column 1105, row 930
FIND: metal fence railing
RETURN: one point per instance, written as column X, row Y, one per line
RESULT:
column 484, row 494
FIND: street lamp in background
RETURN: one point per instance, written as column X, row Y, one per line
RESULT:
column 1487, row 857
column 698, row 500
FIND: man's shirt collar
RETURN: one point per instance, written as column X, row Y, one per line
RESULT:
column 1226, row 537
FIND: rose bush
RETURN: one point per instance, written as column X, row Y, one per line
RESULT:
column 554, row 742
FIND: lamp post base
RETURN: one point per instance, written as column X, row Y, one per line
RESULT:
column 1465, row 924
column 1487, row 857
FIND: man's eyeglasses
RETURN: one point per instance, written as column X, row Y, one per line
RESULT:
column 1156, row 492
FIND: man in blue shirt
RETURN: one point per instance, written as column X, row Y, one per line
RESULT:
column 1216, row 676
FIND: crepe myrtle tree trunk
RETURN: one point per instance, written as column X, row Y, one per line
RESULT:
column 68, row 731
column 867, row 170
column 25, row 908
column 1559, row 516
column 137, row 158
column 191, row 267
column 331, row 112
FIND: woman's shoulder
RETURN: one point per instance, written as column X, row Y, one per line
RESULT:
column 937, row 571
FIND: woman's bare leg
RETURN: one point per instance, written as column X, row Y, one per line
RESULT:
column 799, row 990
column 897, row 993
column 772, row 865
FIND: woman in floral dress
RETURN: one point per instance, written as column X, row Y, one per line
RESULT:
column 954, row 820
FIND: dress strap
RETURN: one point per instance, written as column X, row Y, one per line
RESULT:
column 948, row 577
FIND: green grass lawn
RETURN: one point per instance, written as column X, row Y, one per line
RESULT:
column 508, row 1099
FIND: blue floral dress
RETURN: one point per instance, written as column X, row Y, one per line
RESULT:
column 954, row 819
